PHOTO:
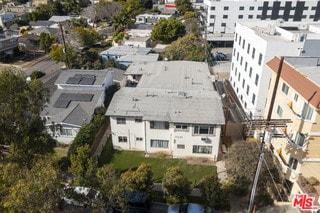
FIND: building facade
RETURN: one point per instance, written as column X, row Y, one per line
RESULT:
column 257, row 43
column 297, row 99
column 173, row 109
column 220, row 16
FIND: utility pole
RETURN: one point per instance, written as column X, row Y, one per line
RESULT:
column 262, row 147
column 64, row 45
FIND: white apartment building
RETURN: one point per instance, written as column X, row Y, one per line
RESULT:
column 257, row 43
column 220, row 16
column 174, row 109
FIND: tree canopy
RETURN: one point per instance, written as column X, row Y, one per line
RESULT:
column 189, row 48
column 175, row 185
column 183, row 6
column 21, row 124
column 168, row 31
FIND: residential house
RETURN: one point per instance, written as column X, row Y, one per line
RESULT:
column 72, row 105
column 39, row 2
column 173, row 109
column 6, row 19
column 257, row 43
column 298, row 99
column 125, row 55
column 151, row 18
column 8, row 43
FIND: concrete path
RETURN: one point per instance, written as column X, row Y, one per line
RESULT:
column 221, row 170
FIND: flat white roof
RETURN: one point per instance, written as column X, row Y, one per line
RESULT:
column 173, row 75
column 198, row 107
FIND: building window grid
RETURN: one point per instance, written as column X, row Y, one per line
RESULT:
column 121, row 120
column 202, row 149
column 122, row 139
column 307, row 112
column 279, row 111
column 203, row 130
column 155, row 143
column 66, row 132
column 285, row 88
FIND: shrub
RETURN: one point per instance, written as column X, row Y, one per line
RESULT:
column 313, row 181
column 37, row 74
column 161, row 155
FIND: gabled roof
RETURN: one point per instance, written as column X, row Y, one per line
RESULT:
column 47, row 30
column 76, row 111
column 126, row 50
column 305, row 79
column 66, row 76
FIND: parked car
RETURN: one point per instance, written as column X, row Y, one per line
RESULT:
column 189, row 208
column 134, row 202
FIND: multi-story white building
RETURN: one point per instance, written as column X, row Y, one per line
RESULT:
column 174, row 109
column 219, row 16
column 297, row 99
column 257, row 43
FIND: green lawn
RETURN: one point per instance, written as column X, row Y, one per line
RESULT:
column 124, row 160
column 61, row 151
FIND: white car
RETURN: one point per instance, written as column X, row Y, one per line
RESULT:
column 189, row 208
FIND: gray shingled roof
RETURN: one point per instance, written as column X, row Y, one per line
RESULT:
column 126, row 50
column 77, row 112
column 99, row 74
column 197, row 107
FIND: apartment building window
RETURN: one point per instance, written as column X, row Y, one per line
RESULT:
column 296, row 97
column 66, row 132
column 122, row 139
column 250, row 72
column 225, row 8
column 260, row 59
column 245, row 66
column 251, row 8
column 248, row 49
column 285, row 88
column 299, row 139
column 236, row 71
column 256, row 80
column 138, row 120
column 225, row 16
column 307, row 112
column 248, row 89
column 313, row 8
column 159, row 125
column 211, row 16
column 159, row 143
column 202, row 149
column 243, row 83
column 245, row 105
column 250, row 16
column 237, row 56
column 239, row 76
column 253, row 52
column 181, row 126
column 293, row 163
column 139, row 139
column 234, row 51
column 203, row 130
column 243, row 43
column 253, row 98
column 236, row 38
column 213, row 8
column 241, row 8
column 240, row 40
column 279, row 111
column 232, row 66
column 240, row 16
column 180, row 146
column 223, row 24
column 121, row 120
column 241, row 59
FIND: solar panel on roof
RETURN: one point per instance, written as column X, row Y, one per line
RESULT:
column 73, row 80
column 87, row 81
column 61, row 103
column 65, row 98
